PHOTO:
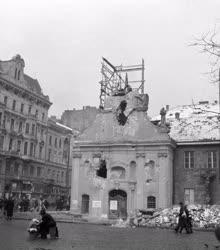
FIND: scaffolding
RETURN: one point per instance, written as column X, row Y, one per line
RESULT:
column 116, row 80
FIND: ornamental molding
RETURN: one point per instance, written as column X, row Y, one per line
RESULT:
column 96, row 155
column 77, row 155
column 162, row 154
column 140, row 155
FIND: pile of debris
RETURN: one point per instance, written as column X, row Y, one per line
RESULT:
column 203, row 217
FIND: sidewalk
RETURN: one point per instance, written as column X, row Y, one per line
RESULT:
column 62, row 216
column 69, row 217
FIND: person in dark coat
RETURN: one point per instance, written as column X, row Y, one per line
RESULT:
column 46, row 223
column 181, row 218
column 9, row 206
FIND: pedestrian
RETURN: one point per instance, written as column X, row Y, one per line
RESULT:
column 9, row 206
column 46, row 224
column 185, row 220
column 180, row 218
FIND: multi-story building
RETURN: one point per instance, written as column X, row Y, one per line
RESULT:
column 24, row 133
column 59, row 139
column 196, row 130
column 79, row 119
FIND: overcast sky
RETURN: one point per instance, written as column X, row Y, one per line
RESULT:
column 62, row 43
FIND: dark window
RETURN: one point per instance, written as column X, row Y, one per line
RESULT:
column 4, row 121
column 212, row 159
column 36, row 113
column 55, row 142
column 38, row 171
column 40, row 151
column 25, row 148
column 13, row 105
column 20, row 127
column 31, row 149
column 27, row 128
column 33, row 129
column 18, row 146
column 189, row 159
column 25, row 170
column 151, row 202
column 60, row 143
column 1, row 142
column 10, row 144
column 22, row 107
column 41, row 132
column 0, row 119
column 12, row 124
column 15, row 76
column 102, row 171
column 50, row 140
column 49, row 154
column 31, row 170
column 5, row 100
column 8, row 167
column 29, row 109
column 16, row 167
column 19, row 75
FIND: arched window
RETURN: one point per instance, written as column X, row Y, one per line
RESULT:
column 117, row 173
column 55, row 143
column 50, row 140
column 151, row 202
column 15, row 76
column 19, row 74
column 132, row 172
column 60, row 143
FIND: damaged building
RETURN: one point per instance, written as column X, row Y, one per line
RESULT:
column 122, row 161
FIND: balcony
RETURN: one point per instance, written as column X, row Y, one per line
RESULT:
column 12, row 153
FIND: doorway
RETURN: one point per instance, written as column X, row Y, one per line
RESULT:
column 85, row 204
column 117, row 204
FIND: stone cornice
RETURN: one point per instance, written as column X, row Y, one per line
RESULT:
column 208, row 142
column 25, row 92
column 126, row 144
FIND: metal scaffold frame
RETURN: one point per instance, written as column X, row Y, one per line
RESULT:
column 115, row 80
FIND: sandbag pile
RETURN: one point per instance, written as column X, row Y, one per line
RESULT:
column 202, row 217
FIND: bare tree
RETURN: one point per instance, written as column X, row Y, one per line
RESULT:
column 209, row 43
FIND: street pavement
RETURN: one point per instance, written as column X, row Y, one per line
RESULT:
column 14, row 236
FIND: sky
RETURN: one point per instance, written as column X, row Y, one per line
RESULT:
column 63, row 42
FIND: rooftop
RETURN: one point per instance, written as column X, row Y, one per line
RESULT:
column 196, row 122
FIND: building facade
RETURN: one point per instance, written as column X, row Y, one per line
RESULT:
column 57, row 161
column 196, row 130
column 24, row 133
column 122, row 161
column 79, row 119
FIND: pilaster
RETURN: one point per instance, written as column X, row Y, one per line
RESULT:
column 140, row 184
column 75, row 182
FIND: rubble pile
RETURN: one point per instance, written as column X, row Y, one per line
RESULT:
column 202, row 217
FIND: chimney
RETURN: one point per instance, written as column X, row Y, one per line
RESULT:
column 167, row 107
column 177, row 115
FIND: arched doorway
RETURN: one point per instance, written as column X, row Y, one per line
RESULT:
column 117, row 204
column 85, row 204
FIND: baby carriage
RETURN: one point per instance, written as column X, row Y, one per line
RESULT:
column 34, row 228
